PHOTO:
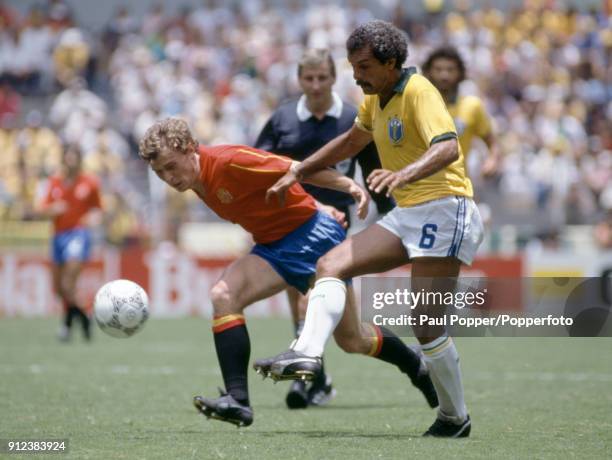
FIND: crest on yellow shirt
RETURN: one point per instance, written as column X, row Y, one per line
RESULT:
column 224, row 196
column 395, row 128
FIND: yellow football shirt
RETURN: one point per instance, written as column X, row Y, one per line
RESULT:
column 471, row 120
column 414, row 119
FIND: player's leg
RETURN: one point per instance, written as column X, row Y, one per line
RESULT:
column 297, row 396
column 297, row 306
column 73, row 249
column 372, row 250
column 320, row 391
column 57, row 258
column 440, row 354
column 354, row 336
column 66, row 327
column 439, row 236
column 70, row 272
column 244, row 282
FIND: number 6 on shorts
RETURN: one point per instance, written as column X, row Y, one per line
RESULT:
column 428, row 236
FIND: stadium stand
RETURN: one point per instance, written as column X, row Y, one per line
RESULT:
column 545, row 74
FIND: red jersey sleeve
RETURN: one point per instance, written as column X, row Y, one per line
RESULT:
column 257, row 166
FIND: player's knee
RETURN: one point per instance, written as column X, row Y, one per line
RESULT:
column 328, row 265
column 221, row 298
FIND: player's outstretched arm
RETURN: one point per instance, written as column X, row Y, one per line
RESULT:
column 439, row 156
column 332, row 179
column 344, row 146
column 492, row 163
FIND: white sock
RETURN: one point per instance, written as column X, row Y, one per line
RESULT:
column 443, row 363
column 325, row 309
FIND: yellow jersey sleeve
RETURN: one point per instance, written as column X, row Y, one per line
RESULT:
column 433, row 121
column 482, row 120
column 364, row 115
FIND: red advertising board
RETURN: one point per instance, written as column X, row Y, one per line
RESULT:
column 178, row 284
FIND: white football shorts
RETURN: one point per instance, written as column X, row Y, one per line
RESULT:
column 446, row 227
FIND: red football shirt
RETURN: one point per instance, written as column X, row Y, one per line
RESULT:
column 81, row 196
column 236, row 178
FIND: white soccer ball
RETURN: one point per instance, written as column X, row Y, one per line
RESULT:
column 121, row 308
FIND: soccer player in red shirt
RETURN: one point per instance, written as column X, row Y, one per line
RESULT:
column 72, row 200
column 232, row 180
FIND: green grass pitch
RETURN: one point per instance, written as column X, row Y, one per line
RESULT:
column 128, row 399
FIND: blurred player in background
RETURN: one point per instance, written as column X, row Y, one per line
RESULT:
column 446, row 70
column 232, row 181
column 297, row 129
column 72, row 200
column 436, row 226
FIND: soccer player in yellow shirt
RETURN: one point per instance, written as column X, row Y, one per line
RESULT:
column 446, row 70
column 436, row 225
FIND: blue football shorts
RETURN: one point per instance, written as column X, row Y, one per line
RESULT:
column 294, row 257
column 74, row 244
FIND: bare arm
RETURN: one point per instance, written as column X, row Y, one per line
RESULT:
column 332, row 179
column 50, row 210
column 439, row 156
column 344, row 146
column 490, row 166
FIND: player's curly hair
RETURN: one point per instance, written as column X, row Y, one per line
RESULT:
column 445, row 52
column 172, row 133
column 386, row 41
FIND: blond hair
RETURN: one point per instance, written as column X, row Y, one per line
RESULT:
column 315, row 57
column 170, row 133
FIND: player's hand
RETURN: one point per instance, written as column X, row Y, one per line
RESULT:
column 362, row 198
column 381, row 179
column 490, row 167
column 338, row 215
column 57, row 208
column 280, row 187
column 92, row 219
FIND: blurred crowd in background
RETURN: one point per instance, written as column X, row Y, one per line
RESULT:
column 545, row 73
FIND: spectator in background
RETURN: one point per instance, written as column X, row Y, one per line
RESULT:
column 59, row 14
column 70, row 56
column 28, row 155
column 43, row 149
column 16, row 65
column 9, row 159
column 37, row 43
column 100, row 130
column 76, row 109
column 121, row 24
column 544, row 73
column 72, row 200
column 10, row 101
column 121, row 225
column 297, row 129
column 104, row 162
column 8, row 16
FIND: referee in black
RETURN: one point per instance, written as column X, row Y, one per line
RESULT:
column 297, row 129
